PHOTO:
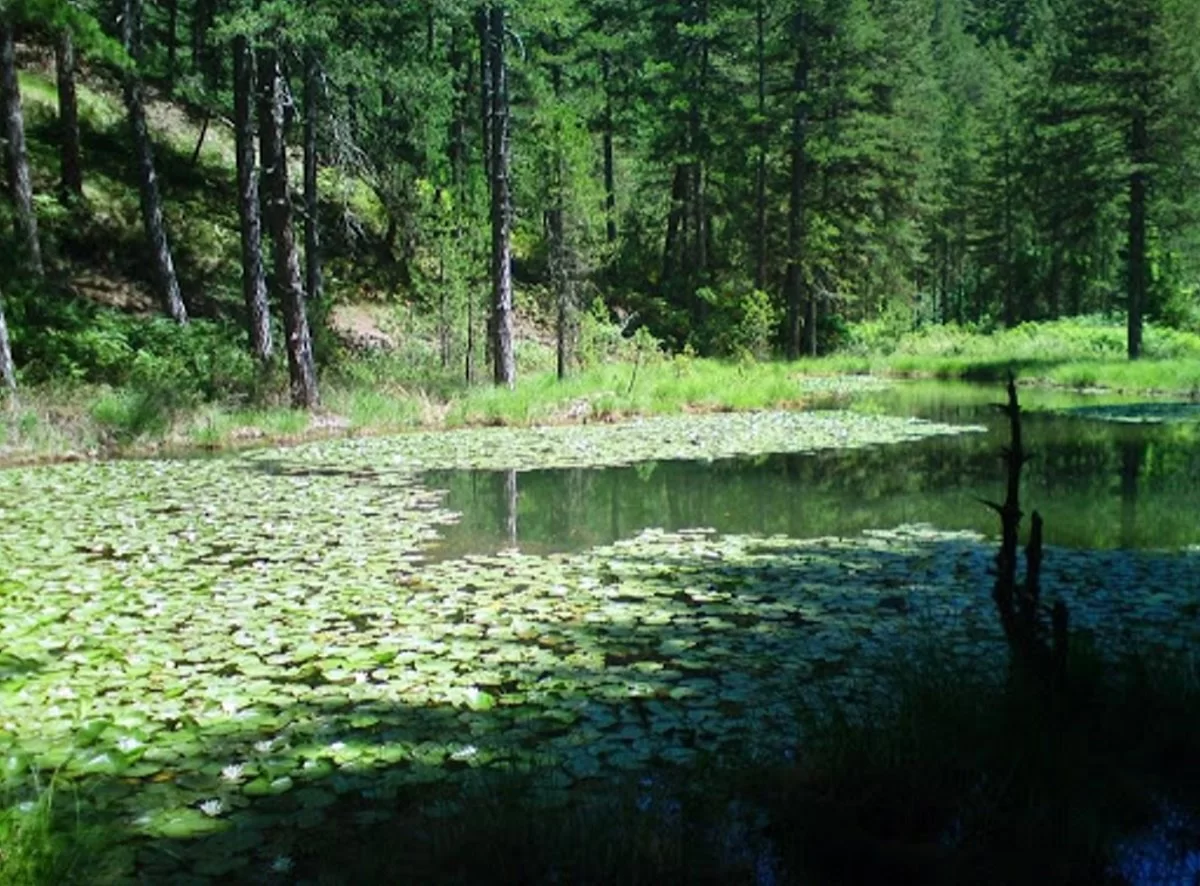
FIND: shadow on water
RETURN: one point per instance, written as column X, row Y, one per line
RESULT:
column 368, row 791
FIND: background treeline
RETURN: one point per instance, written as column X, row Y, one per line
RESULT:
column 737, row 176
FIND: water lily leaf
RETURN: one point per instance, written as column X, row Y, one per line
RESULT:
column 268, row 787
column 181, row 824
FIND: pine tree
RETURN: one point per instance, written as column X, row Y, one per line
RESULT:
column 278, row 211
column 254, row 283
column 151, row 200
column 20, row 184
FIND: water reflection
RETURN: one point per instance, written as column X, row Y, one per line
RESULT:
column 1098, row 484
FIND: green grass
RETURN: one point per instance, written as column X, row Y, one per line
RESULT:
column 1081, row 352
column 386, row 393
column 44, row 843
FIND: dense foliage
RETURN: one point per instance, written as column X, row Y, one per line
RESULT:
column 738, row 176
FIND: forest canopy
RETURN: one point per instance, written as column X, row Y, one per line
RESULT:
column 740, row 177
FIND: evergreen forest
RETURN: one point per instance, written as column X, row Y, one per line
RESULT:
column 738, row 178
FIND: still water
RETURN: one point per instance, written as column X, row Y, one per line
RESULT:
column 1098, row 483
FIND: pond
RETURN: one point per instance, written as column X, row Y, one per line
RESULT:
column 222, row 648
column 1098, row 483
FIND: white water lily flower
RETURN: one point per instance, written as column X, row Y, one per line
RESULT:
column 65, row 692
column 213, row 807
column 337, row 746
column 282, row 864
column 229, row 706
column 233, row 772
column 360, row 677
column 265, row 746
column 464, row 753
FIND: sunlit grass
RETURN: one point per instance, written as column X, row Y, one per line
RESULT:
column 43, row 842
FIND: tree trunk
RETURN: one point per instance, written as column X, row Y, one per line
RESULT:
column 458, row 151
column 610, row 188
column 505, row 368
column 486, row 89
column 172, row 45
column 456, row 148
column 203, row 15
column 511, row 499
column 699, row 145
column 20, row 184
column 8, row 372
column 151, row 201
column 254, row 284
column 760, row 171
column 1138, row 186
column 71, row 164
column 675, row 219
column 313, row 282
column 796, row 301
column 559, row 272
column 288, row 282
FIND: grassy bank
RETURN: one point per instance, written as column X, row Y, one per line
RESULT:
column 1081, row 353
column 192, row 391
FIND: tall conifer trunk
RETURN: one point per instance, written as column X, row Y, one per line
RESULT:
column 1139, row 142
column 486, row 90
column 172, row 44
column 313, row 283
column 796, row 300
column 288, row 282
column 20, row 184
column 698, row 136
column 8, row 372
column 152, row 213
column 503, row 355
column 254, row 284
column 71, row 164
column 610, row 187
column 760, row 167
column 560, row 270
column 460, row 64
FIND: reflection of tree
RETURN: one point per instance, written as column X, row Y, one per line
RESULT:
column 510, row 507
column 1071, row 477
column 1133, row 455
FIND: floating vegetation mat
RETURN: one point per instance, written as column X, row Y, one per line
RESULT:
column 1138, row 413
column 658, row 438
column 223, row 648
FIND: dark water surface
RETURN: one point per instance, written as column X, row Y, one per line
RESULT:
column 1099, row 484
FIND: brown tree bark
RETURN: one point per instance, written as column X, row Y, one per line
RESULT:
column 254, row 284
column 288, row 282
column 313, row 277
column 20, row 184
column 503, row 354
column 70, row 154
